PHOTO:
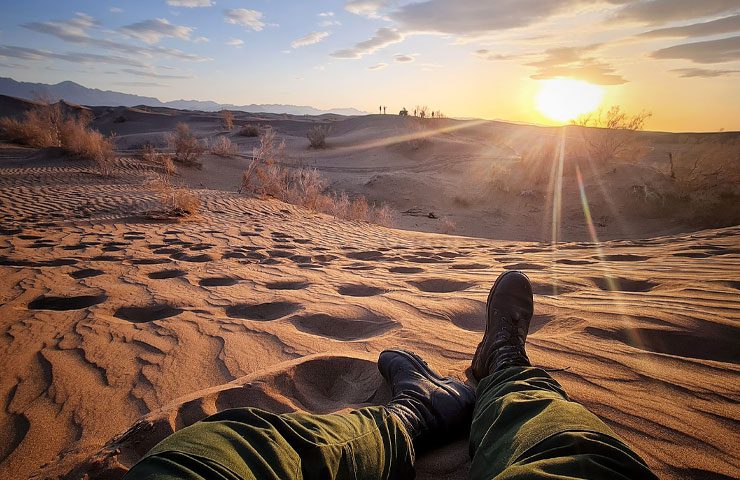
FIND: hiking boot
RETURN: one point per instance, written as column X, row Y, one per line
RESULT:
column 432, row 408
column 510, row 307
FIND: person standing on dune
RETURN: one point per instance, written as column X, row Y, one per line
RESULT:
column 522, row 424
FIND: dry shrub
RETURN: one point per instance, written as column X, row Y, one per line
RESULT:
column 250, row 130
column 47, row 125
column 317, row 136
column 418, row 135
column 303, row 186
column 149, row 154
column 614, row 135
column 223, row 147
column 447, row 226
column 176, row 201
column 188, row 149
column 227, row 119
column 500, row 178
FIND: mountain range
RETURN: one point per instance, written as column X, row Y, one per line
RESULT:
column 75, row 93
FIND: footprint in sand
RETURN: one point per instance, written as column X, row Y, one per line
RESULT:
column 550, row 289
column 203, row 257
column 525, row 266
column 146, row 313
column 288, row 285
column 367, row 255
column 622, row 284
column 163, row 274
column 262, row 311
column 77, row 302
column 218, row 281
column 441, row 285
column 626, row 257
column 568, row 261
column 341, row 328
column 359, row 290
column 469, row 266
column 86, row 273
column 405, row 270
column 150, row 261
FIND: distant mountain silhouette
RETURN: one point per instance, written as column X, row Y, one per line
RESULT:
column 76, row 93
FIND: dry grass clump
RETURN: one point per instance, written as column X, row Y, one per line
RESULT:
column 614, row 135
column 177, row 202
column 227, row 120
column 149, row 154
column 223, row 147
column 418, row 135
column 47, row 125
column 304, row 186
column 250, row 130
column 317, row 136
column 447, row 226
column 188, row 149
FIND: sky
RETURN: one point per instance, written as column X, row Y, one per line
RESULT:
column 679, row 59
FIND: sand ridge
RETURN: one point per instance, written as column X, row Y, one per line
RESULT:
column 118, row 329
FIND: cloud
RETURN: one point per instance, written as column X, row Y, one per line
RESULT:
column 248, row 18
column 72, row 30
column 368, row 8
column 703, row 29
column 190, row 3
column 25, row 53
column 382, row 38
column 115, row 10
column 201, row 40
column 711, row 51
column 310, row 39
column 703, row 72
column 661, row 11
column 486, row 54
column 141, row 84
column 154, row 30
column 466, row 17
column 152, row 74
column 400, row 58
column 75, row 31
column 378, row 66
column 235, row 42
column 326, row 14
column 574, row 62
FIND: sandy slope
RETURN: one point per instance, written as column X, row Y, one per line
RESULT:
column 110, row 321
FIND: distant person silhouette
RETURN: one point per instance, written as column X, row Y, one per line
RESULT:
column 380, row 110
column 522, row 425
column 383, row 110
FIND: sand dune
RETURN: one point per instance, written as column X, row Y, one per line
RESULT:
column 119, row 329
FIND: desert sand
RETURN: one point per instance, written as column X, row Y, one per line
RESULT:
column 119, row 329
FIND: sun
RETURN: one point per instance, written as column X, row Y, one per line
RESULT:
column 563, row 99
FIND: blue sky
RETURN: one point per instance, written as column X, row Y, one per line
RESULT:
column 465, row 57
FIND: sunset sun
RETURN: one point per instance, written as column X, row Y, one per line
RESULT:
column 563, row 99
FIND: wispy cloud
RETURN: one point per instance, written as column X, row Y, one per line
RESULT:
column 141, row 84
column 378, row 66
column 251, row 19
column 703, row 72
column 310, row 39
column 382, row 38
column 190, row 3
column 24, row 53
column 710, row 51
column 368, row 8
column 575, row 62
column 400, row 58
column 662, row 11
column 154, row 30
column 235, row 42
column 153, row 74
column 115, row 10
column 703, row 29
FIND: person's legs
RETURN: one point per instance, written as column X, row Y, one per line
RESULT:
column 524, row 425
column 369, row 443
column 247, row 443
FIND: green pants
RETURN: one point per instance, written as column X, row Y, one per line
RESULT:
column 524, row 427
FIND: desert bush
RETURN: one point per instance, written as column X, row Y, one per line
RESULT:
column 500, row 178
column 188, row 149
column 227, row 119
column 176, row 201
column 614, row 135
column 418, row 135
column 47, row 125
column 250, row 130
column 149, row 154
column 223, row 147
column 303, row 186
column 447, row 226
column 317, row 136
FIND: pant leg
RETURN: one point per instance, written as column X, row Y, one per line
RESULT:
column 525, row 427
column 248, row 443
